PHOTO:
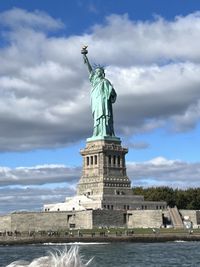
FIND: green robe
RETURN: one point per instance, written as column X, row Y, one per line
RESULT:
column 102, row 97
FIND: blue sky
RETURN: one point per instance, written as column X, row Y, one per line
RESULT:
column 151, row 53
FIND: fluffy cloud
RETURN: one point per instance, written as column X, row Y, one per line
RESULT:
column 152, row 95
column 17, row 18
column 163, row 172
column 44, row 89
column 130, row 42
column 31, row 188
column 31, row 198
column 38, row 175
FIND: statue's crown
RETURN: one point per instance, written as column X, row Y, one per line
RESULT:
column 98, row 66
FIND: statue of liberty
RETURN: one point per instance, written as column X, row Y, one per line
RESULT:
column 103, row 95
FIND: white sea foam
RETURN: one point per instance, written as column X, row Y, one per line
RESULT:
column 75, row 243
column 65, row 258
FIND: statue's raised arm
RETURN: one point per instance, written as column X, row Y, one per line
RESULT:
column 102, row 95
column 85, row 58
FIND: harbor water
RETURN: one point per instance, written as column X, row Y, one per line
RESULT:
column 115, row 254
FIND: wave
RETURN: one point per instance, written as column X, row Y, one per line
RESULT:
column 180, row 241
column 75, row 243
column 65, row 258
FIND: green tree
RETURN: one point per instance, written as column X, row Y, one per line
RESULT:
column 183, row 199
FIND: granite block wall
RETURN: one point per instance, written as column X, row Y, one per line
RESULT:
column 38, row 221
column 144, row 219
column 5, row 223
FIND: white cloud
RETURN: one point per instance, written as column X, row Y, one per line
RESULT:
column 138, row 42
column 149, row 96
column 39, row 175
column 32, row 197
column 31, row 187
column 188, row 119
column 44, row 88
column 17, row 17
column 160, row 161
column 164, row 172
column 160, row 169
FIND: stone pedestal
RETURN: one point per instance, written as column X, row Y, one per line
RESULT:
column 104, row 184
column 104, row 169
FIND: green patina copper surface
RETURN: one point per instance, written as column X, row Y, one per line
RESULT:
column 103, row 95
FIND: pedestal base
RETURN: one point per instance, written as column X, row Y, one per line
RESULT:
column 104, row 138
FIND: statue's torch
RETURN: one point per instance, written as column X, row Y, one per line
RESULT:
column 84, row 51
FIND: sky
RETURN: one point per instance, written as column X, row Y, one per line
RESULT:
column 150, row 50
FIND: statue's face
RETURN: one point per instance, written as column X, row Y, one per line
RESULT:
column 100, row 73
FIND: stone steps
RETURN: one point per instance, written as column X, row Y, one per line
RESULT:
column 176, row 218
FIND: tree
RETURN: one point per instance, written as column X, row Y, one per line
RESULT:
column 183, row 199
